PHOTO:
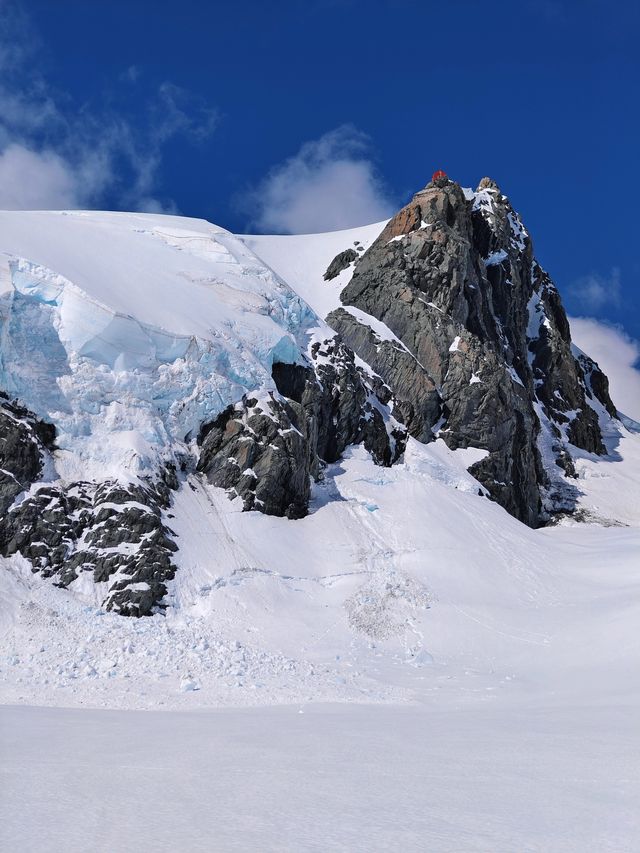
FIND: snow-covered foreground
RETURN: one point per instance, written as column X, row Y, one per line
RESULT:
column 453, row 777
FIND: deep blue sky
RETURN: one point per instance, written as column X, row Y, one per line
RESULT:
column 542, row 95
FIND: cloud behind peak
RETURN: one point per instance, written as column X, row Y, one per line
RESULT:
column 330, row 184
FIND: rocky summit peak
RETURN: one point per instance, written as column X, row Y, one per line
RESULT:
column 488, row 184
column 439, row 179
column 437, row 202
column 488, row 360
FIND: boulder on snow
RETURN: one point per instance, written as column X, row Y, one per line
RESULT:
column 339, row 263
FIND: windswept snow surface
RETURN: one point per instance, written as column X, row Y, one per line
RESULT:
column 335, row 778
column 302, row 260
column 450, row 680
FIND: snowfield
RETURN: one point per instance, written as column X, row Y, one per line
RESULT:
column 448, row 679
column 482, row 778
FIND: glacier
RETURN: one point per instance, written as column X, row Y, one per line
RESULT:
column 129, row 357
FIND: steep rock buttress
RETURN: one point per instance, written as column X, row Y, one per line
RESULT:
column 487, row 360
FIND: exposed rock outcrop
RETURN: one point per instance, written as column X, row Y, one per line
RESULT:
column 455, row 280
column 416, row 401
column 596, row 383
column 112, row 530
column 24, row 443
column 257, row 451
column 267, row 447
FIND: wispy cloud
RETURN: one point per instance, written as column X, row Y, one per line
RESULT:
column 331, row 183
column 177, row 111
column 617, row 354
column 56, row 153
column 131, row 74
column 593, row 292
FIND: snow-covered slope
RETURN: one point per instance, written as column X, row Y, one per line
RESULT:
column 403, row 585
column 302, row 260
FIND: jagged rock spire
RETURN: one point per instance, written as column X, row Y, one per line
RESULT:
column 454, row 277
column 488, row 184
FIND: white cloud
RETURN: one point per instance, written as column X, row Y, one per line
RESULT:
column 617, row 354
column 328, row 185
column 594, row 291
column 58, row 154
column 31, row 180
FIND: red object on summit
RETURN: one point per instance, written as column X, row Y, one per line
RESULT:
column 438, row 174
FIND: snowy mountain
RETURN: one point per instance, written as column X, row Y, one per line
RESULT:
column 368, row 467
column 306, row 460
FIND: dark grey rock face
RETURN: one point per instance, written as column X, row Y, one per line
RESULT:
column 416, row 400
column 596, row 384
column 348, row 406
column 266, row 448
column 339, row 263
column 456, row 281
column 24, row 442
column 111, row 530
column 257, row 450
